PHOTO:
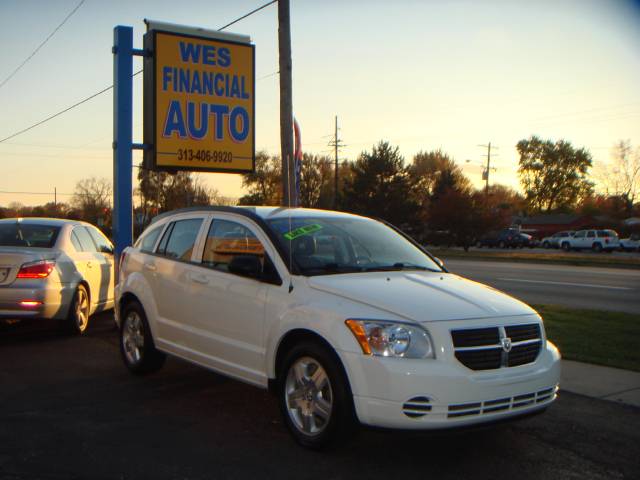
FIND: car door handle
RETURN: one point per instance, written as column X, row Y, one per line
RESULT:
column 198, row 278
column 150, row 266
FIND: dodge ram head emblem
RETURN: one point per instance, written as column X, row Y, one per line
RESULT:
column 506, row 344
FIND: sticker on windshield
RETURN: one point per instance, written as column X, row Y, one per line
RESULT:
column 306, row 230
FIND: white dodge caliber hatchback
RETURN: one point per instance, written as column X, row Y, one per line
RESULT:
column 344, row 317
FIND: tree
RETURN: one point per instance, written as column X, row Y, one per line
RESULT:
column 622, row 176
column 163, row 191
column 92, row 199
column 380, row 186
column 264, row 183
column 427, row 167
column 316, row 181
column 459, row 213
column 553, row 175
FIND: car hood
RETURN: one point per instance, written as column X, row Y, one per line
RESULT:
column 422, row 296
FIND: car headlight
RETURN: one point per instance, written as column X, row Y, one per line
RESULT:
column 391, row 339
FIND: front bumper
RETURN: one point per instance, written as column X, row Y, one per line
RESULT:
column 55, row 299
column 434, row 394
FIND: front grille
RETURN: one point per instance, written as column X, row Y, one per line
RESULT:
column 501, row 404
column 495, row 347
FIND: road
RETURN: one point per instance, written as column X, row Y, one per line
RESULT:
column 581, row 287
column 69, row 409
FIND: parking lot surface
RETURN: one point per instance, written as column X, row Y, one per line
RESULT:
column 69, row 409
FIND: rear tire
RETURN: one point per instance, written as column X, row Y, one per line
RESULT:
column 315, row 397
column 136, row 343
column 597, row 247
column 546, row 245
column 502, row 244
column 566, row 247
column 77, row 321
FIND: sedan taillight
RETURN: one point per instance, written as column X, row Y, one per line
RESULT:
column 40, row 269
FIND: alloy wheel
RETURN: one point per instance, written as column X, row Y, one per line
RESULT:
column 308, row 396
column 133, row 337
column 82, row 309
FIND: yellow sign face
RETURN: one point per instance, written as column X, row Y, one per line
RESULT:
column 203, row 105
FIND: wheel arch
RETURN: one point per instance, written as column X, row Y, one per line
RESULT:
column 293, row 337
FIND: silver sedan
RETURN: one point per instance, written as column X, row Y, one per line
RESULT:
column 54, row 269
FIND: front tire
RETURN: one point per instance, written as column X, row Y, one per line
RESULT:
column 136, row 343
column 78, row 318
column 597, row 247
column 566, row 247
column 315, row 398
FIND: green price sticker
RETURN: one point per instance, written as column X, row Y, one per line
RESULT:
column 306, row 230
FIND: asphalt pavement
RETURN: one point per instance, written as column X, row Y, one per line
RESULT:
column 69, row 409
column 572, row 286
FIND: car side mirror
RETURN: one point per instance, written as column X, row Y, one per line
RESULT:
column 246, row 266
column 106, row 249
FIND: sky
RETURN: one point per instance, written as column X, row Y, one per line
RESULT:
column 423, row 75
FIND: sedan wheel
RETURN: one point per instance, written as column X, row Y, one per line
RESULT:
column 78, row 320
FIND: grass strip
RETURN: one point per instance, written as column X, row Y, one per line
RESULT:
column 599, row 260
column 593, row 336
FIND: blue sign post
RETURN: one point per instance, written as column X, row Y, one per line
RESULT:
column 123, row 145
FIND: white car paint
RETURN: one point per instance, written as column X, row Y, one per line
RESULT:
column 234, row 325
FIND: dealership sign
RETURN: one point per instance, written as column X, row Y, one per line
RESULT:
column 199, row 100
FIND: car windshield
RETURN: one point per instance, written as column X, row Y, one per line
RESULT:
column 331, row 245
column 20, row 234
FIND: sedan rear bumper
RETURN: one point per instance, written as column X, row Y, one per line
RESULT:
column 44, row 300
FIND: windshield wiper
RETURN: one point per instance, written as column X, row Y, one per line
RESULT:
column 334, row 268
column 399, row 266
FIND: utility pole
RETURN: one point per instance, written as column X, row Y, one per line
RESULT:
column 336, row 143
column 286, row 104
column 55, row 198
column 485, row 174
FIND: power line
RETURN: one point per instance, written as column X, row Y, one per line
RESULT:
column 248, row 14
column 51, row 117
column 42, row 44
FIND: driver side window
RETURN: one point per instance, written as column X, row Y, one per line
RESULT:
column 226, row 240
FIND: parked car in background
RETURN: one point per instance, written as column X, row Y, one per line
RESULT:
column 630, row 244
column 54, row 269
column 596, row 240
column 344, row 318
column 507, row 238
column 555, row 240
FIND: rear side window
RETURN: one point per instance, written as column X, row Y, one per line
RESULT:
column 84, row 239
column 148, row 240
column 19, row 234
column 607, row 233
column 104, row 245
column 181, row 239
